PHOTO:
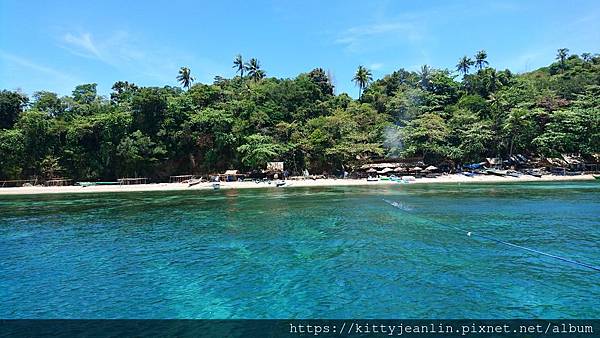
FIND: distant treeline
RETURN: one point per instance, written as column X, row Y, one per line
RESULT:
column 245, row 121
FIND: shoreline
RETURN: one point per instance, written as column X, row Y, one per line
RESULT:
column 448, row 179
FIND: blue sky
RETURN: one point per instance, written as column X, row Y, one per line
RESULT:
column 55, row 45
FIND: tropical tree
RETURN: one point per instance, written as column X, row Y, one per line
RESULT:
column 185, row 77
column 587, row 57
column 122, row 92
column 12, row 150
column 258, row 150
column 561, row 56
column 161, row 131
column 424, row 77
column 254, row 71
column 362, row 78
column 464, row 64
column 515, row 126
column 12, row 105
column 480, row 59
column 427, row 136
column 137, row 154
column 321, row 79
column 85, row 93
column 238, row 64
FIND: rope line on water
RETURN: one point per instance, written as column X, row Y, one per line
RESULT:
column 472, row 234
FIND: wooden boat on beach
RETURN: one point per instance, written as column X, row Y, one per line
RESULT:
column 496, row 172
column 513, row 173
column 596, row 177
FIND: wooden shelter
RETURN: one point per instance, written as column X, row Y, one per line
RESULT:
column 275, row 166
column 385, row 171
column 231, row 175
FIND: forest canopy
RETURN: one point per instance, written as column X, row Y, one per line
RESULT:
column 460, row 115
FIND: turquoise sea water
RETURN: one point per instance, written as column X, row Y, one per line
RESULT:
column 302, row 253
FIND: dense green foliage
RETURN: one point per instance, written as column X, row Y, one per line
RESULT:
column 250, row 119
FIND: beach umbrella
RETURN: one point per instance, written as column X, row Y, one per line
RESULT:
column 372, row 170
column 431, row 168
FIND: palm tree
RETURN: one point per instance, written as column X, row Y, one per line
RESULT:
column 490, row 79
column 254, row 71
column 561, row 56
column 238, row 63
column 362, row 78
column 587, row 57
column 480, row 59
column 185, row 77
column 464, row 64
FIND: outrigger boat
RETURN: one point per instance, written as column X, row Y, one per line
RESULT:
column 596, row 177
column 513, row 173
column 496, row 172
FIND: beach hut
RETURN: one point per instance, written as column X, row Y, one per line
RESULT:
column 275, row 166
column 431, row 172
column 493, row 162
column 231, row 175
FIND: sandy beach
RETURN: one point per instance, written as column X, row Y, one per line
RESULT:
column 447, row 179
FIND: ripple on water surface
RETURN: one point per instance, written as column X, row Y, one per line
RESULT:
column 302, row 252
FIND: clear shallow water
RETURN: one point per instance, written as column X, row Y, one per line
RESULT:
column 302, row 252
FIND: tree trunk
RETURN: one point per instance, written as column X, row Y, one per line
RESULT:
column 192, row 161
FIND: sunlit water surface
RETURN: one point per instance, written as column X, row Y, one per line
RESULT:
column 302, row 253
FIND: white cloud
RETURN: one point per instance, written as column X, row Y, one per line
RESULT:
column 138, row 59
column 21, row 72
column 353, row 38
column 22, row 62
column 82, row 45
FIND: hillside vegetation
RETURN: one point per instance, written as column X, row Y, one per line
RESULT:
column 245, row 121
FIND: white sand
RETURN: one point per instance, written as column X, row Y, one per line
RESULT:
column 304, row 183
